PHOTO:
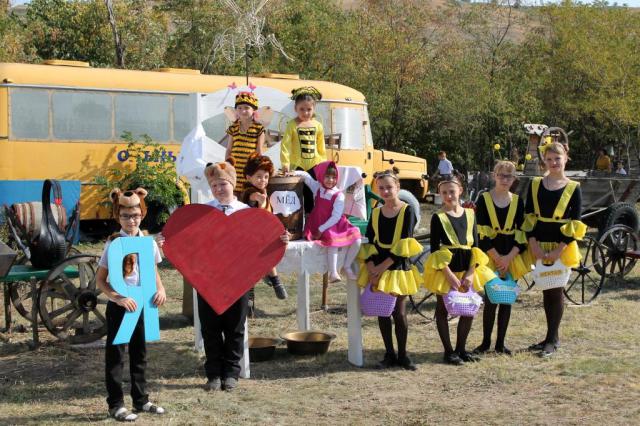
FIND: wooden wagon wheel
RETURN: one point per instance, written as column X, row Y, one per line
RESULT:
column 586, row 280
column 616, row 241
column 21, row 295
column 70, row 304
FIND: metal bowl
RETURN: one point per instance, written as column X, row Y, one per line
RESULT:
column 262, row 348
column 308, row 342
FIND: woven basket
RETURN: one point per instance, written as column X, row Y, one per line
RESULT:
column 376, row 303
column 462, row 304
column 502, row 291
column 547, row 277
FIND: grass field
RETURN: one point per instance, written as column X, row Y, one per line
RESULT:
column 593, row 379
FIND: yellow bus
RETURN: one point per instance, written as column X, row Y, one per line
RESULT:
column 65, row 119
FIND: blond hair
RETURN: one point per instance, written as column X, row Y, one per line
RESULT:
column 507, row 166
column 556, row 148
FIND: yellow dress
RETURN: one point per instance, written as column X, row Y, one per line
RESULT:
column 571, row 228
column 434, row 279
column 402, row 278
column 302, row 146
column 518, row 267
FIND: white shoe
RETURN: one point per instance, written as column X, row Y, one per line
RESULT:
column 350, row 274
column 335, row 278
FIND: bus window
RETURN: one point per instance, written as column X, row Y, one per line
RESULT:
column 184, row 112
column 81, row 115
column 348, row 122
column 215, row 127
column 323, row 116
column 143, row 114
column 367, row 128
column 29, row 113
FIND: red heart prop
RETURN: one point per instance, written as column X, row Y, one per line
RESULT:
column 222, row 256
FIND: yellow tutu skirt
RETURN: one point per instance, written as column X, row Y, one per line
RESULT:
column 435, row 280
column 396, row 282
column 518, row 267
column 570, row 256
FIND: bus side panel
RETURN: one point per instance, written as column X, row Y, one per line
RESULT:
column 52, row 160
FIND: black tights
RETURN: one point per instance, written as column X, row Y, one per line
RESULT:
column 488, row 319
column 402, row 328
column 553, row 300
column 464, row 327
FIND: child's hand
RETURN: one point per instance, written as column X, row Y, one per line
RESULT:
column 502, row 263
column 466, row 283
column 160, row 240
column 554, row 255
column 286, row 237
column 128, row 303
column 259, row 198
column 536, row 250
column 316, row 235
column 160, row 297
column 285, row 169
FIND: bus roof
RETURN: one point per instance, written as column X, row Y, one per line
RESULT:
column 156, row 81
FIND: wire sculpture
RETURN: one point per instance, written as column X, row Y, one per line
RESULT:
column 236, row 42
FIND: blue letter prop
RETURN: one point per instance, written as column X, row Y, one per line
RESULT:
column 142, row 293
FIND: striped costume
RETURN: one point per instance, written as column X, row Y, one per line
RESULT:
column 243, row 144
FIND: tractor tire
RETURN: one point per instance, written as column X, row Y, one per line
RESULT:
column 408, row 198
column 620, row 214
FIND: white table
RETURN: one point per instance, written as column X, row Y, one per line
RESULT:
column 305, row 258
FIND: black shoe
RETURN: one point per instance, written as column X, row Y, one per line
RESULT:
column 214, row 384
column 468, row 357
column 480, row 349
column 453, row 359
column 278, row 288
column 503, row 350
column 406, row 363
column 230, row 383
column 537, row 346
column 548, row 350
column 389, row 361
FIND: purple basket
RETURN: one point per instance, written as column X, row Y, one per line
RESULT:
column 376, row 303
column 462, row 304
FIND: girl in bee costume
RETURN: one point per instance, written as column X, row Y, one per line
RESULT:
column 552, row 223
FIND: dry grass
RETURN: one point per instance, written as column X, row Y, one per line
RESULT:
column 594, row 379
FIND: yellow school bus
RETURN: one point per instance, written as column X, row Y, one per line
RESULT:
column 65, row 119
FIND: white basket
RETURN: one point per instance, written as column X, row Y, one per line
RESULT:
column 547, row 277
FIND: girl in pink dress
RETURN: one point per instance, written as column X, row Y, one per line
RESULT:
column 327, row 225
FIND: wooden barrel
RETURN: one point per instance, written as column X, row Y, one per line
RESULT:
column 29, row 216
column 285, row 196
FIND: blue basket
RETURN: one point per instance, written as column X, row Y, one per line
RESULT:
column 502, row 291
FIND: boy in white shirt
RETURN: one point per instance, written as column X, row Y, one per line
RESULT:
column 445, row 168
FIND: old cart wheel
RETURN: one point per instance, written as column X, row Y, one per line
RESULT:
column 21, row 297
column 71, row 306
column 586, row 280
column 616, row 242
column 419, row 304
column 20, row 291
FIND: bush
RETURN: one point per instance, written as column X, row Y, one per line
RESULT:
column 150, row 166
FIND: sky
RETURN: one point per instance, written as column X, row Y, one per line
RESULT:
column 632, row 3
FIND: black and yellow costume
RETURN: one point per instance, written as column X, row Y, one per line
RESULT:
column 302, row 147
column 499, row 228
column 454, row 243
column 553, row 217
column 391, row 238
column 243, row 144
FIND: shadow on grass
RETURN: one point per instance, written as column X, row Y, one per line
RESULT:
column 57, row 374
column 47, row 418
column 622, row 288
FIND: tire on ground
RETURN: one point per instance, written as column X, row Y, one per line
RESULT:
column 408, row 198
column 620, row 214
